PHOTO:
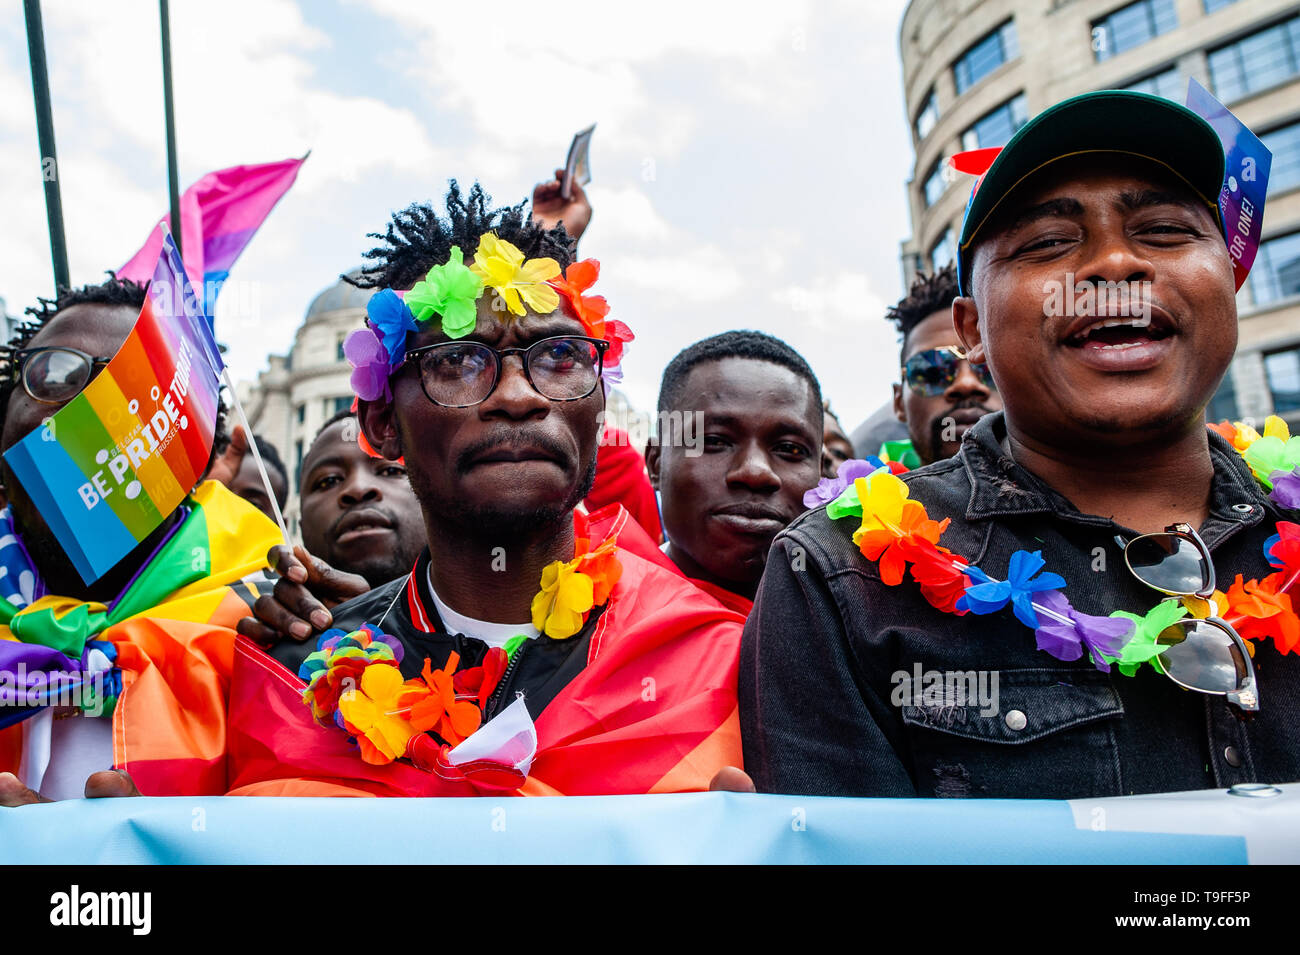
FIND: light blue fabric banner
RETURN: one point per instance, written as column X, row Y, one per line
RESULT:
column 1209, row 827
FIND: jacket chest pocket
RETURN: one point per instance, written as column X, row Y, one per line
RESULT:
column 1021, row 734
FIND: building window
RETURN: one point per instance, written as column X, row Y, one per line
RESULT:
column 1284, row 173
column 1169, row 84
column 986, row 56
column 302, row 413
column 297, row 467
column 943, row 252
column 1212, row 5
column 338, row 347
column 1131, row 26
column 1256, row 62
column 1276, row 272
column 935, row 184
column 995, row 127
column 341, row 404
column 1282, row 369
column 1223, row 406
column 928, row 116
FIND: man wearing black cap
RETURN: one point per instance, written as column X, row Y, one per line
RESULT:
column 1097, row 287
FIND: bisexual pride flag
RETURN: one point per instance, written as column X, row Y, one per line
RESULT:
column 114, row 461
column 219, row 215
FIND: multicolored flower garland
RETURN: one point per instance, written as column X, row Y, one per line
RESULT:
column 354, row 682
column 897, row 533
column 451, row 290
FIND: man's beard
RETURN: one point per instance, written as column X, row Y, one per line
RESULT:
column 937, row 427
column 500, row 519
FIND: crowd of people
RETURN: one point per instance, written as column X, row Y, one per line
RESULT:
column 1041, row 593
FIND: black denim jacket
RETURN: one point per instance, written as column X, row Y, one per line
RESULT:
column 826, row 640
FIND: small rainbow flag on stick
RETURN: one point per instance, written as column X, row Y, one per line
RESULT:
column 114, row 461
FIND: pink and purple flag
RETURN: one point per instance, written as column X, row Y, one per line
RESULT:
column 219, row 214
column 108, row 466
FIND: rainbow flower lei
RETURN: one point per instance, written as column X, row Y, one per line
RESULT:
column 897, row 533
column 353, row 680
column 451, row 290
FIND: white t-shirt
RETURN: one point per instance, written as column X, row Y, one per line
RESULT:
column 493, row 634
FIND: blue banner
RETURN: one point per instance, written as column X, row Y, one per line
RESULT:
column 1205, row 827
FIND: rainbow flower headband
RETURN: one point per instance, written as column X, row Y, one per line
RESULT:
column 451, row 290
column 898, row 534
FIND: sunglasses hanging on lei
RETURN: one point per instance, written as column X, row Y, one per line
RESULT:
column 898, row 534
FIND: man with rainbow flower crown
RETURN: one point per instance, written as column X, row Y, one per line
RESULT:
column 525, row 651
column 1097, row 596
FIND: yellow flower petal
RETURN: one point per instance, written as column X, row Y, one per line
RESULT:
column 538, row 270
column 358, row 710
column 882, row 495
column 541, row 298
column 1275, row 427
column 380, row 681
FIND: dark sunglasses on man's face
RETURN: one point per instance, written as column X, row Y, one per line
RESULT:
column 932, row 372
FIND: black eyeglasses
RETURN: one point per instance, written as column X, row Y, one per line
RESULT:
column 1206, row 655
column 932, row 372
column 462, row 374
column 53, row 374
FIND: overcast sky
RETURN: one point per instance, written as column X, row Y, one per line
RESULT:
column 749, row 162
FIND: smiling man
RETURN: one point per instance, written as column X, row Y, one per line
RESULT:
column 1022, row 562
column 486, row 378
column 724, row 499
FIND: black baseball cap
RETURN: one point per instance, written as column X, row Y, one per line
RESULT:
column 1112, row 121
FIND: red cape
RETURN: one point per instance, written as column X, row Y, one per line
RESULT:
column 653, row 711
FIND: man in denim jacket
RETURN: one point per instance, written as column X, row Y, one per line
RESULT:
column 1103, row 438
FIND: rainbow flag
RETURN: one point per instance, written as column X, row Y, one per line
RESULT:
column 219, row 215
column 106, row 468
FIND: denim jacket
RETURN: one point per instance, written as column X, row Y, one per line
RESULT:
column 824, row 710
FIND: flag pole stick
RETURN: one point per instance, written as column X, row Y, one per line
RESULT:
column 45, row 138
column 257, row 456
column 169, row 114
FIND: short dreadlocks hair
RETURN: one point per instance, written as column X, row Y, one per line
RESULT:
column 417, row 239
column 928, row 294
column 113, row 292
